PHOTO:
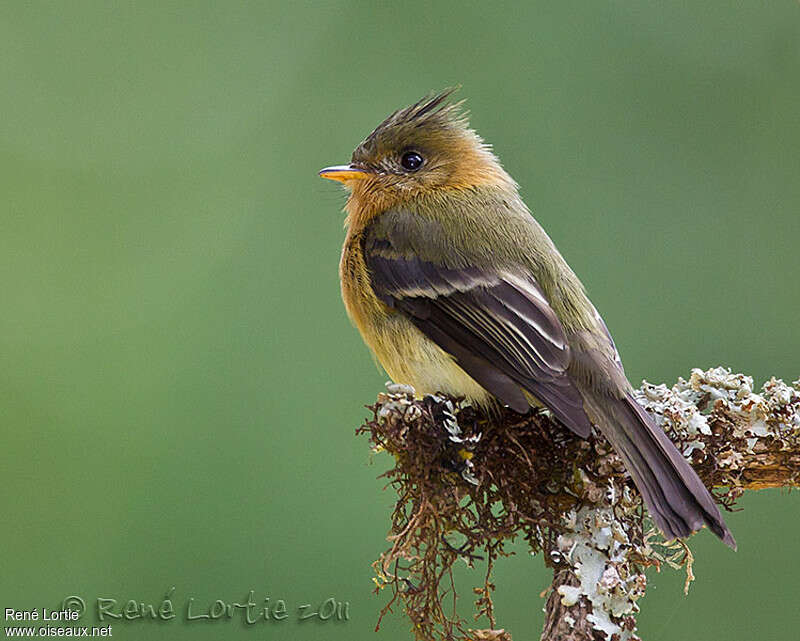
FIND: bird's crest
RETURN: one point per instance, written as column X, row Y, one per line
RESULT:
column 432, row 112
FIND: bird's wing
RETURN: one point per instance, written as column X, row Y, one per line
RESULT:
column 497, row 325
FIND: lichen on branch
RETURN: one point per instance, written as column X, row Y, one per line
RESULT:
column 468, row 483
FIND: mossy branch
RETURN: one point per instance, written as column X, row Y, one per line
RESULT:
column 467, row 483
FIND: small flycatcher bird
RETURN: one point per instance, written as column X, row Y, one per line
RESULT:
column 457, row 289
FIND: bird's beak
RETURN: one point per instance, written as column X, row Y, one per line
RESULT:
column 343, row 173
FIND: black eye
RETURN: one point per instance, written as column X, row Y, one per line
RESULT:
column 411, row 161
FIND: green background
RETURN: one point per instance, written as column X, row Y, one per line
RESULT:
column 180, row 384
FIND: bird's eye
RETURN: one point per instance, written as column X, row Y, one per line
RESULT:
column 411, row 161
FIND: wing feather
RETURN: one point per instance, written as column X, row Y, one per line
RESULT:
column 498, row 326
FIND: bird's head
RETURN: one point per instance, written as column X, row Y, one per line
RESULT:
column 417, row 151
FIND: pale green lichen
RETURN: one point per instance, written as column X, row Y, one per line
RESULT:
column 597, row 547
column 680, row 409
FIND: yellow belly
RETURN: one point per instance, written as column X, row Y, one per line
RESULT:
column 411, row 358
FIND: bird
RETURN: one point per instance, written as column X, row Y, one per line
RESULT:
column 457, row 289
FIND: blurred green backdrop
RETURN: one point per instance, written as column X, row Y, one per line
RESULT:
column 180, row 384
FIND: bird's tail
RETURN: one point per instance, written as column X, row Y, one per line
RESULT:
column 675, row 496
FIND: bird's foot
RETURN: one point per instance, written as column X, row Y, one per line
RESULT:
column 444, row 412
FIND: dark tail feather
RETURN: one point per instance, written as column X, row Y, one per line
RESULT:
column 675, row 496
